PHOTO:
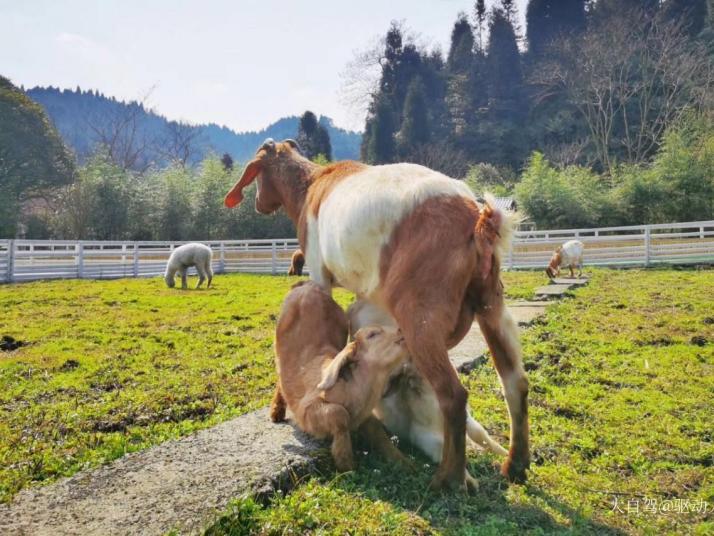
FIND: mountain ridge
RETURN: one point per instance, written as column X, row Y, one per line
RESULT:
column 85, row 118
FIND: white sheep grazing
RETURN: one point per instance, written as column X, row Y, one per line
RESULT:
column 409, row 408
column 183, row 257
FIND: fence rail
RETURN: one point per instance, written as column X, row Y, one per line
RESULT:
column 642, row 245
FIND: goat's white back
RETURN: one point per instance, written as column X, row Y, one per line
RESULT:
column 358, row 217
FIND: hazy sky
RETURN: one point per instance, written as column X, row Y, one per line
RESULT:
column 240, row 63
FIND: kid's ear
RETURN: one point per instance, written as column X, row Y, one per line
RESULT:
column 331, row 372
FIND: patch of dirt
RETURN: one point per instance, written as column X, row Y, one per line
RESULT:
column 699, row 340
column 10, row 344
column 68, row 365
column 660, row 341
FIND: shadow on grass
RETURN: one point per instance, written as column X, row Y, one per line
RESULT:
column 496, row 508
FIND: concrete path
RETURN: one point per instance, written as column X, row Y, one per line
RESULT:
column 558, row 288
column 180, row 484
column 184, row 484
column 471, row 351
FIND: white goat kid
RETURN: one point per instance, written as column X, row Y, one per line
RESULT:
column 183, row 257
column 409, row 408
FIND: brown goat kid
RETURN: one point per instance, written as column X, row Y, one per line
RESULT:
column 297, row 263
column 329, row 387
column 416, row 244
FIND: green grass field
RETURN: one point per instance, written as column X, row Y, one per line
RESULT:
column 622, row 399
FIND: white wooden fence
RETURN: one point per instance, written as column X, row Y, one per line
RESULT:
column 643, row 245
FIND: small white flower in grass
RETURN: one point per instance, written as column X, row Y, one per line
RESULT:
column 426, row 466
column 395, row 440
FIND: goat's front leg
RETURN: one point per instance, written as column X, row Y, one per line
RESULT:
column 373, row 431
column 431, row 359
column 501, row 334
column 325, row 419
column 184, row 282
column 277, row 405
column 572, row 271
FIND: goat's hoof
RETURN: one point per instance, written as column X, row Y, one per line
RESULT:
column 515, row 471
column 277, row 414
column 471, row 482
column 442, row 482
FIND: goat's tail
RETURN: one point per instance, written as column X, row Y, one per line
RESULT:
column 495, row 229
column 478, row 434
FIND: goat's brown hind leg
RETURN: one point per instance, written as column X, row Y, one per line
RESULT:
column 373, row 431
column 501, row 334
column 277, row 405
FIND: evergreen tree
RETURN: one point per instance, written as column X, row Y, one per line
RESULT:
column 459, row 69
column 462, row 46
column 313, row 137
column 504, row 61
column 509, row 10
column 415, row 125
column 546, row 20
column 227, row 161
column 380, row 147
column 480, row 16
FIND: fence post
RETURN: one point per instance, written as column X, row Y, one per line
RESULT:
column 647, row 245
column 135, row 259
column 222, row 259
column 80, row 259
column 274, row 265
column 701, row 233
column 11, row 261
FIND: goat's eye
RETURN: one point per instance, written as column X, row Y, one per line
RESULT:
column 372, row 334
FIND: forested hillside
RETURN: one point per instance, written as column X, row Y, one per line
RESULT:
column 589, row 83
column 140, row 137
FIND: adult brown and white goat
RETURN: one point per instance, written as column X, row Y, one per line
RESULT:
column 416, row 244
column 331, row 388
column 569, row 254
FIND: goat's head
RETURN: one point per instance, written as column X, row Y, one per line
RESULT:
column 553, row 268
column 273, row 164
column 376, row 350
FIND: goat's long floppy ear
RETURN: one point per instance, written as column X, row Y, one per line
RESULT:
column 331, row 372
column 250, row 172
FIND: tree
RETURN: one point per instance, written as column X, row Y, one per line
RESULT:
column 415, row 125
column 462, row 46
column 313, row 137
column 119, row 134
column 32, row 155
column 509, row 10
column 380, row 148
column 227, row 161
column 480, row 16
column 460, row 72
column 691, row 14
column 546, row 20
column 181, row 143
column 504, row 59
column 628, row 80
